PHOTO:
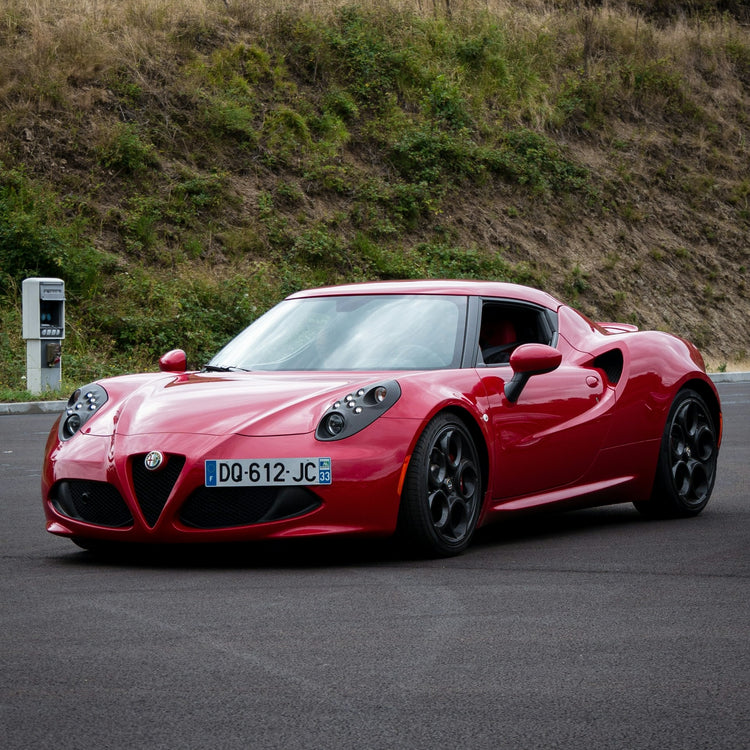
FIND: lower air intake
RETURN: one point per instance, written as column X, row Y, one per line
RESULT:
column 227, row 507
column 98, row 503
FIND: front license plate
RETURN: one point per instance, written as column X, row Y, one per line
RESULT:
column 267, row 472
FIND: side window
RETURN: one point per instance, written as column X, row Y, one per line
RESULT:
column 505, row 326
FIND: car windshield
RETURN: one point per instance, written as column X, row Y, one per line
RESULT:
column 358, row 332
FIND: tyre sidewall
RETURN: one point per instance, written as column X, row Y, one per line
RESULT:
column 414, row 516
column 665, row 498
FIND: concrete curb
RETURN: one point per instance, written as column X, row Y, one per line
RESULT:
column 729, row 377
column 55, row 407
column 33, row 407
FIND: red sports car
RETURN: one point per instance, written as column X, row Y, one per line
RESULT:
column 429, row 408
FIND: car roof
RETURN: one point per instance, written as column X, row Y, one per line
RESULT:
column 457, row 287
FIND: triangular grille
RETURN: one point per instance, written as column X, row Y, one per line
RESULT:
column 152, row 488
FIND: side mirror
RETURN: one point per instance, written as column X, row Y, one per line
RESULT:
column 173, row 361
column 528, row 360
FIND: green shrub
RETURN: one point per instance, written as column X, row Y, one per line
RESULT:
column 585, row 101
column 124, row 149
column 445, row 261
column 367, row 61
column 197, row 194
column 231, row 118
column 340, row 102
column 285, row 133
column 445, row 103
column 428, row 154
column 36, row 239
column 140, row 223
column 530, row 158
column 318, row 247
column 236, row 68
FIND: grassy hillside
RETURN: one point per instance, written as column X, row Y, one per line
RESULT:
column 184, row 164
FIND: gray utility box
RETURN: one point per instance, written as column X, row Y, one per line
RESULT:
column 43, row 309
column 43, row 324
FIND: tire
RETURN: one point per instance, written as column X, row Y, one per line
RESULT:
column 686, row 470
column 443, row 490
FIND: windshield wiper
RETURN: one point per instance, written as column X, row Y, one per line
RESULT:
column 218, row 368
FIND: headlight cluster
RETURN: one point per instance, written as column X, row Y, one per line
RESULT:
column 82, row 405
column 357, row 410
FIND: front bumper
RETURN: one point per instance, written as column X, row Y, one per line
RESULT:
column 96, row 487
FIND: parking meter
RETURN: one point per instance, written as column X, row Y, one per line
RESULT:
column 43, row 301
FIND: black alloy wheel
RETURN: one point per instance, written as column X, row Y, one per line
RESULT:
column 443, row 489
column 686, row 470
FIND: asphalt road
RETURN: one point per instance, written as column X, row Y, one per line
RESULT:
column 593, row 629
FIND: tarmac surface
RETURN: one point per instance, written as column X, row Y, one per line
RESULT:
column 592, row 629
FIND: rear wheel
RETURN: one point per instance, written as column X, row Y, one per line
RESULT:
column 686, row 470
column 443, row 489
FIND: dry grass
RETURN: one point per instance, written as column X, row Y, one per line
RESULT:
column 51, row 40
column 716, row 365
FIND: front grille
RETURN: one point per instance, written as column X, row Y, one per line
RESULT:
column 226, row 507
column 97, row 503
column 152, row 488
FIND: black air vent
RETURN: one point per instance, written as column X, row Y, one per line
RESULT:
column 152, row 488
column 227, row 507
column 612, row 363
column 97, row 503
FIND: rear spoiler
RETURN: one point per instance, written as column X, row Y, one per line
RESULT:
column 619, row 327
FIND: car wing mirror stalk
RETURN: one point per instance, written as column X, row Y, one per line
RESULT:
column 528, row 360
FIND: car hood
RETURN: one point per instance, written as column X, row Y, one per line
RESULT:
column 258, row 404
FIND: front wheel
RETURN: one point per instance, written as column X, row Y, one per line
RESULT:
column 443, row 489
column 686, row 470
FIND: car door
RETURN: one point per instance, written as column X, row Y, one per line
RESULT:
column 550, row 436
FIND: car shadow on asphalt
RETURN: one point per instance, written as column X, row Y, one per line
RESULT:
column 543, row 523
column 319, row 552
column 274, row 554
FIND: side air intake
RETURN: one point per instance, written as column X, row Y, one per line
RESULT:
column 612, row 363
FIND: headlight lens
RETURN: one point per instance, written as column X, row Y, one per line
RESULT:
column 82, row 405
column 357, row 410
column 71, row 425
column 334, row 423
